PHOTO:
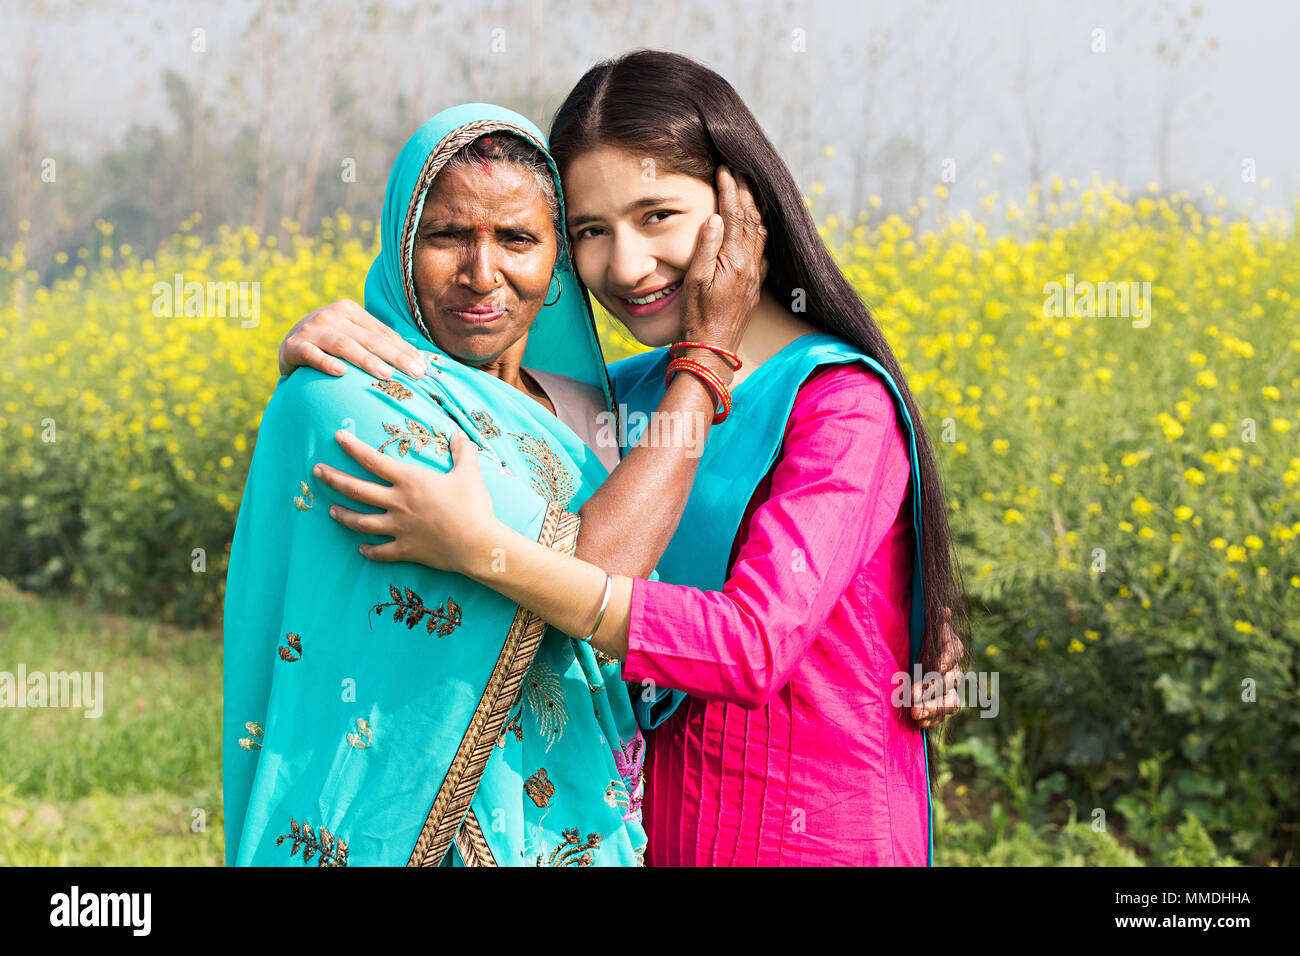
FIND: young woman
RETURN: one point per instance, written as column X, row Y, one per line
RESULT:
column 813, row 565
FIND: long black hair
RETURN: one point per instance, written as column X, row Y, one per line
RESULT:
column 689, row 120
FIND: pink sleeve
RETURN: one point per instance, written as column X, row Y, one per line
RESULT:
column 836, row 489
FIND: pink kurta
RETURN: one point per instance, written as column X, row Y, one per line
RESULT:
column 788, row 750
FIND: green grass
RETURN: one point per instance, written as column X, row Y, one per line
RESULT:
column 139, row 785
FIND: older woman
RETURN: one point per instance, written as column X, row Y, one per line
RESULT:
column 388, row 713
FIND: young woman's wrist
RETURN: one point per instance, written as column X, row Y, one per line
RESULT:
column 710, row 358
column 484, row 557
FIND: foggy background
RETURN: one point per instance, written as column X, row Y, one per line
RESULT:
column 250, row 112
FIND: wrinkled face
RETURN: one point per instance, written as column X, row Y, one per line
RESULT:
column 482, row 259
column 633, row 237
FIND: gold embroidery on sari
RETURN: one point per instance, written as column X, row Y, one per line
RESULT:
column 415, row 434
column 573, row 852
column 550, row 479
column 604, row 659
column 539, row 789
column 254, row 740
column 513, row 727
column 393, row 389
column 294, row 651
column 438, row 400
column 361, row 740
column 411, row 606
column 616, row 794
column 560, row 533
column 544, row 694
column 303, row 502
column 332, row 852
column 485, row 424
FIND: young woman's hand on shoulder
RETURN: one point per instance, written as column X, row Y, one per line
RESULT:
column 345, row 330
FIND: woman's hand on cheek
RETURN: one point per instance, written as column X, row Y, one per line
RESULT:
column 443, row 521
column 725, row 278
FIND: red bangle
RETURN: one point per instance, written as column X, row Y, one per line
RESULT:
column 721, row 395
column 732, row 358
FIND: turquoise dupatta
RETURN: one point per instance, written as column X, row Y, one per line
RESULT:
column 387, row 713
column 736, row 457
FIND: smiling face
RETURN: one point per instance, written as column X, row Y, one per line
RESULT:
column 480, row 224
column 633, row 237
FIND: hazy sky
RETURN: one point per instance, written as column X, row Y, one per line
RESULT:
column 895, row 88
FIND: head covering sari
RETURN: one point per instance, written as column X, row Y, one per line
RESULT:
column 736, row 457
column 387, row 713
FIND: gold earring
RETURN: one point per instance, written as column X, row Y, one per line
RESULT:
column 559, row 290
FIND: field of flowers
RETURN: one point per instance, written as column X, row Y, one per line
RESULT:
column 1126, row 488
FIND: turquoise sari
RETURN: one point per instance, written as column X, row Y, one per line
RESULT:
column 738, row 454
column 389, row 714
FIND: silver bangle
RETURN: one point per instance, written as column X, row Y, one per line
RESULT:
column 609, row 585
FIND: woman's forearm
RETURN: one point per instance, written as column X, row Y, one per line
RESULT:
column 564, row 591
column 629, row 520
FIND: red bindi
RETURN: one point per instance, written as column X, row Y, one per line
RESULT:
column 482, row 227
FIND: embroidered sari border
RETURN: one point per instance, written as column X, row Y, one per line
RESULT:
column 472, row 844
column 451, row 805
